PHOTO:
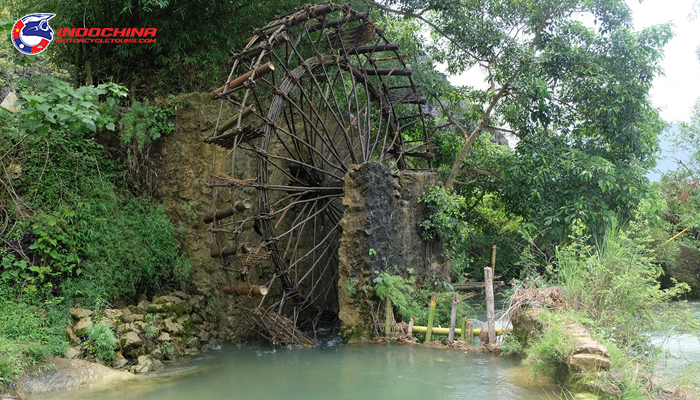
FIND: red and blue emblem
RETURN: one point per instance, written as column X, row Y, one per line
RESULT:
column 32, row 33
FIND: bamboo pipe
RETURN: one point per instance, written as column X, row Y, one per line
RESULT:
column 431, row 317
column 238, row 206
column 244, row 290
column 234, row 120
column 493, row 260
column 387, row 318
column 244, row 248
column 446, row 331
column 239, row 81
column 462, row 334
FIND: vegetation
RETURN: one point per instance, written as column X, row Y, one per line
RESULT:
column 73, row 234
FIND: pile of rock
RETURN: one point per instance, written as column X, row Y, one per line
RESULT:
column 148, row 333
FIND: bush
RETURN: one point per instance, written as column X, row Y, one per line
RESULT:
column 102, row 343
column 547, row 353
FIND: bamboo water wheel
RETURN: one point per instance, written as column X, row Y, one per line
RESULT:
column 312, row 93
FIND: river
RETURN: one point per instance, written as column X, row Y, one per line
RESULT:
column 343, row 372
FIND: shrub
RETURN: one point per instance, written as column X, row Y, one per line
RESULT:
column 546, row 354
column 102, row 342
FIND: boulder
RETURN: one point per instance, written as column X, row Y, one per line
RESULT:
column 114, row 315
column 80, row 313
column 168, row 299
column 80, row 328
column 68, row 374
column 72, row 353
column 145, row 365
column 132, row 318
column 599, row 386
column 72, row 338
column 182, row 295
column 589, row 363
column 182, row 319
column 192, row 342
column 124, row 328
column 119, row 361
column 143, row 305
column 204, row 335
column 164, row 337
column 172, row 327
column 131, row 340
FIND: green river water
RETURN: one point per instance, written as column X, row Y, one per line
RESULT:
column 343, row 372
column 387, row 372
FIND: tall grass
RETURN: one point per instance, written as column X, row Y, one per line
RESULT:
column 615, row 283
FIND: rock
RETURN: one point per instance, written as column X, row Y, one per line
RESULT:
column 164, row 337
column 131, row 340
column 132, row 317
column 68, row 374
column 213, row 342
column 585, row 396
column 192, row 342
column 182, row 295
column 197, row 319
column 144, row 365
column 155, row 308
column 79, row 313
column 589, row 363
column 601, row 387
column 80, row 328
column 181, row 320
column 168, row 299
column 191, row 351
column 124, row 328
column 589, row 346
column 71, row 336
column 143, row 305
column 157, row 353
column 114, row 315
column 172, row 327
column 125, row 311
column 119, row 361
column 72, row 353
column 204, row 336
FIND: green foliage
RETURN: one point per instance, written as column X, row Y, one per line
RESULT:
column 547, row 353
column 351, row 287
column 510, row 346
column 54, row 104
column 142, row 124
column 615, row 283
column 28, row 333
column 74, row 236
column 193, row 42
column 397, row 288
column 101, row 342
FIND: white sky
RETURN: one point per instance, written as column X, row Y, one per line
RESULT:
column 675, row 92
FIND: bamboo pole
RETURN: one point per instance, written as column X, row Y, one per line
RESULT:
column 462, row 334
column 431, row 317
column 493, row 259
column 490, row 318
column 244, row 290
column 453, row 319
column 387, row 318
column 410, row 326
column 446, row 331
column 239, row 206
column 239, row 81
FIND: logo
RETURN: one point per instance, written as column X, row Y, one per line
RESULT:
column 32, row 33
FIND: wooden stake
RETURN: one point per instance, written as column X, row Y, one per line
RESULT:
column 431, row 316
column 463, row 334
column 410, row 326
column 453, row 319
column 490, row 318
column 387, row 318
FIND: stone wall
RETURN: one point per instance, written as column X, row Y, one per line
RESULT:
column 381, row 230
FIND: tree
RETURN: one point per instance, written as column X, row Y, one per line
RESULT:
column 575, row 97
